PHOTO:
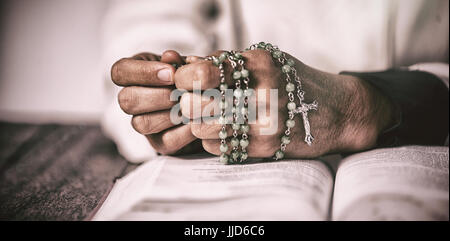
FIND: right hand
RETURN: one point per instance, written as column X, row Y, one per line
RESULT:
column 148, row 80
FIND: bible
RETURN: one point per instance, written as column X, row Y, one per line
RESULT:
column 404, row 183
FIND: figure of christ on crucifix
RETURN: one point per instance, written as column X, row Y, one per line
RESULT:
column 303, row 110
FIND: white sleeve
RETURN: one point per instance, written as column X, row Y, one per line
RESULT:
column 133, row 26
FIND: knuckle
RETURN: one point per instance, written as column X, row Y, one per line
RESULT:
column 115, row 71
column 127, row 100
column 203, row 73
column 141, row 124
column 196, row 130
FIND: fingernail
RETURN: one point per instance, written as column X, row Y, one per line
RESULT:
column 165, row 75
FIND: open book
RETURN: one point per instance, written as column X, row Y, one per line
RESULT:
column 407, row 183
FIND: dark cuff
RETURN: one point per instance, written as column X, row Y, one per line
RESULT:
column 421, row 106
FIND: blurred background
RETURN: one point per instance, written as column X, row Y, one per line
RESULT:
column 49, row 67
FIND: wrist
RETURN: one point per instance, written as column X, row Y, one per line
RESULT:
column 369, row 113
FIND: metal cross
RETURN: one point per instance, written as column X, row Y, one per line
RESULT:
column 303, row 109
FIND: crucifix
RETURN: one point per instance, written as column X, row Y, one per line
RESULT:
column 303, row 109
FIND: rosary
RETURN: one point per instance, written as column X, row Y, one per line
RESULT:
column 241, row 93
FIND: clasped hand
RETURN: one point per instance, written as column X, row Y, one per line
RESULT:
column 352, row 113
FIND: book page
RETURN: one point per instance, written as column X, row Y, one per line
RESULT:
column 171, row 188
column 406, row 183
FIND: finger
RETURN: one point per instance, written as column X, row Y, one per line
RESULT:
column 172, row 57
column 195, row 105
column 193, row 59
column 256, row 148
column 172, row 140
column 146, row 56
column 210, row 128
column 151, row 123
column 201, row 74
column 136, row 100
column 128, row 71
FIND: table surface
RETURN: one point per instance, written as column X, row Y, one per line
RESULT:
column 55, row 172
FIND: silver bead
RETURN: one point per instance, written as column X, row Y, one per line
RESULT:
column 244, row 73
column 290, row 123
column 244, row 156
column 222, row 120
column 248, row 92
column 290, row 87
column 222, row 134
column 285, row 140
column 237, row 75
column 223, row 104
column 245, row 128
column 238, row 93
column 244, row 143
column 244, row 111
column 223, row 87
column 234, row 142
column 224, row 158
column 279, row 154
column 291, row 106
column 223, row 148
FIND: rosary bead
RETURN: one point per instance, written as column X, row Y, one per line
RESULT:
column 290, row 123
column 248, row 92
column 244, row 143
column 223, row 147
column 290, row 87
column 235, row 126
column 216, row 62
column 245, row 128
column 238, row 93
column 277, row 54
column 223, row 104
column 237, row 75
column 224, row 158
column 285, row 140
column 233, row 110
column 222, row 134
column 244, row 156
column 234, row 142
column 222, row 120
column 244, row 111
column 291, row 106
column 238, row 55
column 286, row 68
column 244, row 73
column 235, row 155
column 279, row 154
column 290, row 62
column 223, row 87
column 223, row 56
column 261, row 45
